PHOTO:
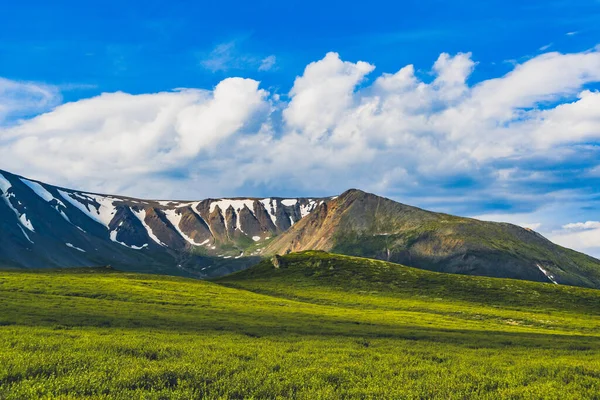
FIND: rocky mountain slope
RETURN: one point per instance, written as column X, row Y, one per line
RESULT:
column 46, row 226
column 362, row 224
column 43, row 226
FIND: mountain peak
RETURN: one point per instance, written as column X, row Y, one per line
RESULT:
column 366, row 225
column 43, row 225
column 355, row 192
column 352, row 195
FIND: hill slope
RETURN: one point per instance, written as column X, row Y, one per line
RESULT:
column 302, row 331
column 44, row 226
column 362, row 224
column 297, row 274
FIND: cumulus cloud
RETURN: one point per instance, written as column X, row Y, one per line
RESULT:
column 340, row 126
column 323, row 95
column 119, row 136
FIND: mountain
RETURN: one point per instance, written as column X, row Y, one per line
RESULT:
column 47, row 226
column 44, row 226
column 362, row 224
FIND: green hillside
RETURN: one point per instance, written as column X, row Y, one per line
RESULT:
column 319, row 326
column 316, row 276
column 365, row 225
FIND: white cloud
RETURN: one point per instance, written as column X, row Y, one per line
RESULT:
column 220, row 58
column 267, row 63
column 523, row 220
column 581, row 236
column 323, row 95
column 394, row 133
column 231, row 56
column 19, row 99
column 116, row 138
column 583, row 226
column 234, row 102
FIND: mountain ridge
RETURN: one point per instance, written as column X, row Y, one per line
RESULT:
column 49, row 226
column 167, row 236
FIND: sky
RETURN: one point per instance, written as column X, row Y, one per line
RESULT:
column 483, row 109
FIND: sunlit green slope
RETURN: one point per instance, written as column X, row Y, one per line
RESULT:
column 319, row 326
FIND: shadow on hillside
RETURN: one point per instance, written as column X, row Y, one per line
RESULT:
column 287, row 323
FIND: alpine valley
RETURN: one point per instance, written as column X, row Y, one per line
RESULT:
column 44, row 226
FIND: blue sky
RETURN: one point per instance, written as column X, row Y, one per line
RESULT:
column 497, row 117
column 141, row 47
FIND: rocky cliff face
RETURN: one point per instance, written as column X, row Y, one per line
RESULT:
column 47, row 226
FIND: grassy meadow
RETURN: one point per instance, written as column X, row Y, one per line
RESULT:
column 320, row 326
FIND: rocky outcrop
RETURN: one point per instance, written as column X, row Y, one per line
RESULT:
column 194, row 226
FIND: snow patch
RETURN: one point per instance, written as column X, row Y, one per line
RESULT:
column 26, row 222
column 103, row 213
column 74, row 247
column 141, row 215
column 289, row 202
column 306, row 209
column 25, row 234
column 194, row 207
column 47, row 196
column 271, row 207
column 175, row 219
column 135, row 247
column 256, row 238
column 5, row 185
column 548, row 275
column 41, row 191
column 113, row 237
column 237, row 206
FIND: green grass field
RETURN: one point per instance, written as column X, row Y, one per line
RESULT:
column 319, row 327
